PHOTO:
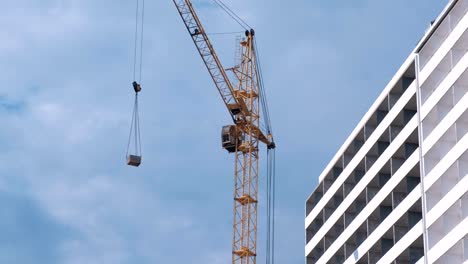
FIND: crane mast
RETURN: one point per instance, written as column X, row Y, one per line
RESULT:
column 241, row 96
column 246, row 161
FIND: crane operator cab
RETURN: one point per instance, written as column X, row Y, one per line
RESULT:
column 231, row 138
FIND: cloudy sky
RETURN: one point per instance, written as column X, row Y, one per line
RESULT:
column 66, row 195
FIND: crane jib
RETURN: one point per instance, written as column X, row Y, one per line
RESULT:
column 208, row 54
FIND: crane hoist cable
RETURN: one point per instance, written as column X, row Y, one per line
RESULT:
column 232, row 14
column 263, row 97
column 271, row 167
column 225, row 33
column 271, row 204
column 139, row 24
column 134, row 158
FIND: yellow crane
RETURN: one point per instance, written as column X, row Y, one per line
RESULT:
column 243, row 95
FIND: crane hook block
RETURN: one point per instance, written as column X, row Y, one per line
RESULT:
column 136, row 87
column 134, row 160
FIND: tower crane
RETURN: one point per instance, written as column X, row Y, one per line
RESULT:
column 242, row 92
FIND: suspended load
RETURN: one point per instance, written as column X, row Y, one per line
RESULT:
column 133, row 160
column 134, row 139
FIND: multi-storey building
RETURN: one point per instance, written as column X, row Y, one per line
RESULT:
column 396, row 191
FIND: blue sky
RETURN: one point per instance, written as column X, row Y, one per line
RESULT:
column 66, row 195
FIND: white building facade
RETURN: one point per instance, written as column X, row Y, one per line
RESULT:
column 396, row 191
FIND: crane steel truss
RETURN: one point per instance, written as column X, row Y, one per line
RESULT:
column 244, row 242
column 243, row 103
